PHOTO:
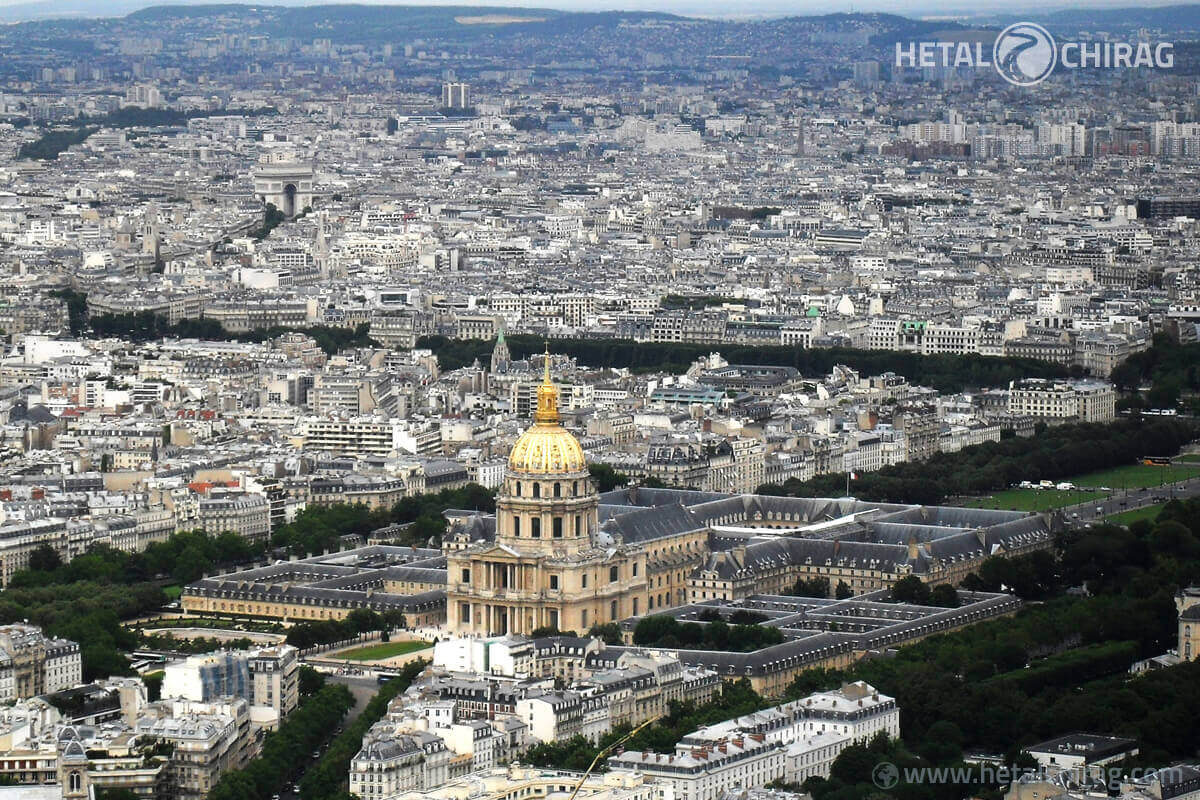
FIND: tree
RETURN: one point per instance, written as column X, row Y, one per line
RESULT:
column 811, row 587
column 394, row 618
column 606, row 477
column 910, row 589
column 311, row 681
column 283, row 752
column 610, row 632
column 1174, row 538
column 190, row 565
column 362, row 620
column 745, row 617
column 44, row 558
column 115, row 794
column 843, row 591
column 942, row 743
column 153, row 681
column 944, row 595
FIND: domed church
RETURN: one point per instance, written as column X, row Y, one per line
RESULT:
column 549, row 564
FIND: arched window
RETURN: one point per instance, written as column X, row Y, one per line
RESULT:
column 75, row 782
column 558, row 490
column 574, row 487
column 518, row 488
column 535, row 527
column 537, row 490
column 612, row 611
column 578, row 525
column 516, row 526
column 556, row 526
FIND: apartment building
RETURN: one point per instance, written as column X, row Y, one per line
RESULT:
column 246, row 514
column 1063, row 401
column 538, row 783
column 267, row 678
column 708, row 772
column 206, row 744
column 390, row 764
column 68, row 537
column 32, row 664
column 552, row 716
column 365, row 436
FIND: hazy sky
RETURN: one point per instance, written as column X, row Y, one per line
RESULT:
column 708, row 7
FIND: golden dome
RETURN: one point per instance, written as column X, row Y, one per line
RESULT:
column 547, row 448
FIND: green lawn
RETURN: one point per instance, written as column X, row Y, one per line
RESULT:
column 1133, row 515
column 1190, row 457
column 1032, row 499
column 1137, row 476
column 383, row 650
column 1132, row 476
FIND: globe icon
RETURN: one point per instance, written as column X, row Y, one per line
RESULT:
column 1024, row 54
column 885, row 775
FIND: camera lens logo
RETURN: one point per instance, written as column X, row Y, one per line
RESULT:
column 885, row 775
column 1024, row 54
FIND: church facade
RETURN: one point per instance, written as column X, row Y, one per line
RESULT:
column 549, row 564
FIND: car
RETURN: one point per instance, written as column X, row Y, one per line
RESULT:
column 1025, row 485
column 1065, row 486
column 1104, row 489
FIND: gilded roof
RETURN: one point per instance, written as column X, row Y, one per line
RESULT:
column 547, row 448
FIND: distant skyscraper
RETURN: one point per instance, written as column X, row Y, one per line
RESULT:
column 456, row 95
column 866, row 74
column 143, row 95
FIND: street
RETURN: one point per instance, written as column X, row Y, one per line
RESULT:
column 363, row 688
column 1122, row 500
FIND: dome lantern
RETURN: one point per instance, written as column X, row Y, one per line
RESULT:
column 546, row 447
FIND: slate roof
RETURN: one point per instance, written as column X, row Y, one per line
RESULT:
column 648, row 524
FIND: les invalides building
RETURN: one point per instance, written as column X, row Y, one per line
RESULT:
column 549, row 565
